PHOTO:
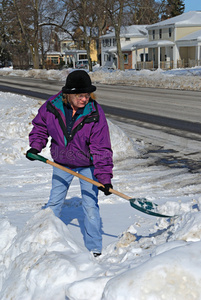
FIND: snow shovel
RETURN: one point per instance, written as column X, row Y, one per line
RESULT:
column 140, row 204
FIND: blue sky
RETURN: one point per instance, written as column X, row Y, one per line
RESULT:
column 192, row 5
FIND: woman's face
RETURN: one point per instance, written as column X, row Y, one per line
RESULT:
column 79, row 100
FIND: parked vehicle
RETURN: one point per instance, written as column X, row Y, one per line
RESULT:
column 82, row 64
column 6, row 64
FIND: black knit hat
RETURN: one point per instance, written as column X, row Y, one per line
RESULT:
column 78, row 82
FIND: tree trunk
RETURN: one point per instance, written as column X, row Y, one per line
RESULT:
column 33, row 46
column 36, row 63
column 86, row 38
column 116, row 19
column 119, row 52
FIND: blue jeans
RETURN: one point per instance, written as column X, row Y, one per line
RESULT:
column 92, row 224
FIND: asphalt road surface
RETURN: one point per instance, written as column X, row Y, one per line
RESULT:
column 175, row 109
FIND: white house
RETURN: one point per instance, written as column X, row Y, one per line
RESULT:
column 174, row 42
column 189, row 48
column 128, row 36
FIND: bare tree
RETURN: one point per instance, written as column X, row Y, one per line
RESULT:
column 102, row 22
column 4, row 34
column 11, row 35
column 27, row 17
column 86, row 18
column 115, row 9
column 174, row 8
column 33, row 19
column 145, row 12
column 130, row 12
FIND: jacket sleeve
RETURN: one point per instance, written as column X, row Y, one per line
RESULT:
column 100, row 149
column 38, row 136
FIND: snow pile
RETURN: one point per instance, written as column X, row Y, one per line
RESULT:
column 36, row 73
column 185, row 79
column 175, row 274
column 7, row 233
column 181, row 79
column 123, row 147
column 16, row 114
column 15, row 120
column 43, row 261
column 43, row 258
column 188, row 229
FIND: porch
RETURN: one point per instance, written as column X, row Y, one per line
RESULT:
column 167, row 65
column 168, row 55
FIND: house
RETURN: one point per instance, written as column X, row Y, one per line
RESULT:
column 189, row 49
column 72, row 50
column 53, row 58
column 78, row 36
column 174, row 42
column 70, row 57
column 129, row 35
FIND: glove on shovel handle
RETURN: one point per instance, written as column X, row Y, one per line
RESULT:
column 37, row 157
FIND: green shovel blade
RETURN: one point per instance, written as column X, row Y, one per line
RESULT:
column 146, row 207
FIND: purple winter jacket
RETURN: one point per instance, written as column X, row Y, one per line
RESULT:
column 88, row 144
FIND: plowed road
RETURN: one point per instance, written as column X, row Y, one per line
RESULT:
column 174, row 109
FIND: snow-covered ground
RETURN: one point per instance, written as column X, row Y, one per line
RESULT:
column 185, row 79
column 144, row 257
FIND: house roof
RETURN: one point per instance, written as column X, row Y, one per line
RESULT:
column 112, row 49
column 146, row 44
column 127, row 47
column 191, row 18
column 142, row 44
column 124, row 47
column 53, row 53
column 195, row 36
column 129, row 31
column 74, row 51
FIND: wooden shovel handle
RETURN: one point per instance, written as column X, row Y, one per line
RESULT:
column 96, row 183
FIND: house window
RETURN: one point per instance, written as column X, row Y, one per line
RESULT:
column 127, row 39
column 106, row 42
column 153, row 34
column 82, row 56
column 160, row 33
column 114, row 42
column 54, row 60
column 170, row 32
column 125, row 58
column 106, row 57
column 154, row 54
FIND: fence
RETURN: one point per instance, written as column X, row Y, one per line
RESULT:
column 194, row 63
column 152, row 65
column 167, row 65
column 145, row 65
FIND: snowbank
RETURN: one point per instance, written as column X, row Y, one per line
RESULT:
column 185, row 79
column 16, row 124
column 174, row 274
column 43, row 257
column 43, row 261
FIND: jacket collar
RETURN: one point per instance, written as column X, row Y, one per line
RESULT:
column 58, row 103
